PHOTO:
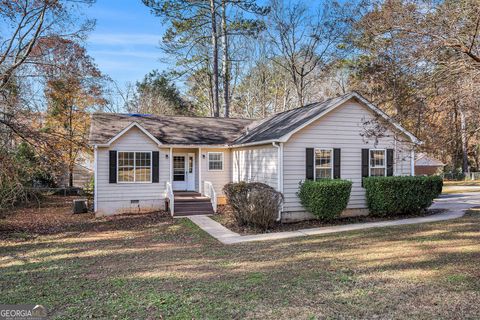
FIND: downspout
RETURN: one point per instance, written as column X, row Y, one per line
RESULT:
column 171, row 166
column 412, row 162
column 279, row 147
column 395, row 162
column 200, row 170
column 95, row 179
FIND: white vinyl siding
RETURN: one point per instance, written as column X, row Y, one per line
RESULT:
column 115, row 198
column 342, row 129
column 218, row 178
column 258, row 163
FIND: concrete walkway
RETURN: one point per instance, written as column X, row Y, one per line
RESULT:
column 456, row 205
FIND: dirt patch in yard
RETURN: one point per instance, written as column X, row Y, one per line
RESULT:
column 226, row 218
column 54, row 215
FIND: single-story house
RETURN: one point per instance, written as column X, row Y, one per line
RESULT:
column 426, row 165
column 180, row 164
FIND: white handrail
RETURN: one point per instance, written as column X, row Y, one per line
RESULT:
column 209, row 191
column 171, row 198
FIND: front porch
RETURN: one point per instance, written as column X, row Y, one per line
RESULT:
column 190, row 189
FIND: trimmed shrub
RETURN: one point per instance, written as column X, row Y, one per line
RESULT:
column 254, row 204
column 325, row 199
column 388, row 196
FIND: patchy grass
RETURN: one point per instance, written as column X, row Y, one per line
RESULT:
column 154, row 267
column 473, row 211
column 460, row 190
column 451, row 187
column 463, row 189
column 462, row 183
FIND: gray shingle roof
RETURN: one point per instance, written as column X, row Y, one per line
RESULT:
column 217, row 131
column 280, row 124
column 169, row 130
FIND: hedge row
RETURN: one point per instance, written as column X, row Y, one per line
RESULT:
column 401, row 195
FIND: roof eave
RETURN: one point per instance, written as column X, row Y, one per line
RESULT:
column 125, row 130
column 192, row 146
column 287, row 136
column 414, row 139
column 355, row 95
column 256, row 143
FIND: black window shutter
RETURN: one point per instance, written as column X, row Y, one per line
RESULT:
column 336, row 163
column 389, row 162
column 112, row 166
column 365, row 156
column 309, row 164
column 155, row 166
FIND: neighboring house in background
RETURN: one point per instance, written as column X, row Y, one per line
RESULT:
column 140, row 160
column 82, row 171
column 427, row 166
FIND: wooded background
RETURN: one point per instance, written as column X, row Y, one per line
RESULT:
column 419, row 61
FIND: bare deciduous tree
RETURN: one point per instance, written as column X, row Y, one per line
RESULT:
column 305, row 42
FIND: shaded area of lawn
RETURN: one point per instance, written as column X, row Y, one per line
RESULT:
column 164, row 268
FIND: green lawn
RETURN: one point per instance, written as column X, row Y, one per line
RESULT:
column 152, row 267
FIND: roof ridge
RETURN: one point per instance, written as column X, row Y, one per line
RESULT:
column 317, row 102
column 168, row 116
column 258, row 130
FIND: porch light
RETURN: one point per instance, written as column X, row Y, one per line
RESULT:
column 166, row 156
column 203, row 156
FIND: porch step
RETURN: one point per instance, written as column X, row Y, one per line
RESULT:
column 192, row 203
column 193, row 213
column 191, row 199
column 206, row 207
column 187, row 194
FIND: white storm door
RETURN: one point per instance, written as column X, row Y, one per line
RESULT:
column 179, row 172
column 191, row 172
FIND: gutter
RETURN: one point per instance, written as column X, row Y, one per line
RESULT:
column 249, row 144
column 279, row 147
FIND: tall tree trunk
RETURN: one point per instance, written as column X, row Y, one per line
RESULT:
column 299, row 96
column 463, row 135
column 225, row 65
column 285, row 94
column 216, row 105
column 71, row 159
column 456, row 130
column 211, row 95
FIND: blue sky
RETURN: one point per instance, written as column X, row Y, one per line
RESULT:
column 125, row 41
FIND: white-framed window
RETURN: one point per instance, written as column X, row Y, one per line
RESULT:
column 134, row 167
column 377, row 163
column 215, row 161
column 323, row 164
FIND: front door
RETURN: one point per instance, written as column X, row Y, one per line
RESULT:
column 184, row 171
